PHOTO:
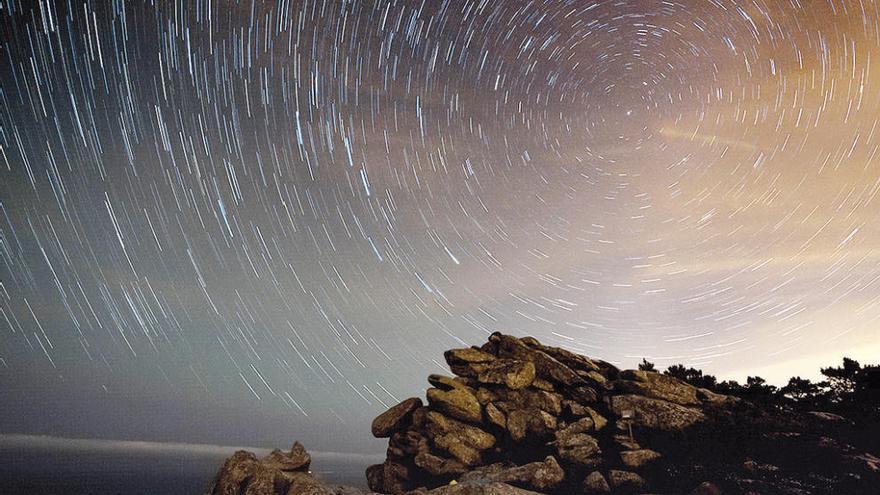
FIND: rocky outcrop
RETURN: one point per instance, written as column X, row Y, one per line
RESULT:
column 287, row 473
column 534, row 416
column 279, row 473
column 546, row 420
column 523, row 418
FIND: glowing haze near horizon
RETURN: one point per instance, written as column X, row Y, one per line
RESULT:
column 263, row 221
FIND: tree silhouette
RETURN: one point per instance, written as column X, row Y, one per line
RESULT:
column 842, row 379
column 730, row 387
column 758, row 385
column 646, row 365
column 802, row 390
column 866, row 395
column 851, row 390
column 692, row 375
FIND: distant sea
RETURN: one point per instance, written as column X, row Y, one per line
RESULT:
column 35, row 465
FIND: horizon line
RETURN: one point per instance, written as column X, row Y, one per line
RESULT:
column 19, row 440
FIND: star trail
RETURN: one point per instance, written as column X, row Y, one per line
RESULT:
column 288, row 210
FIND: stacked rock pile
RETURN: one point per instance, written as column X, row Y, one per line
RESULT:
column 534, row 416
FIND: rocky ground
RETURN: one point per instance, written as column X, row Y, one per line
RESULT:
column 523, row 418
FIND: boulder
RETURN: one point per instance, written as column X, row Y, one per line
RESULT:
column 485, row 396
column 467, row 355
column 448, row 383
column 583, row 425
column 599, row 421
column 657, row 386
column 549, row 402
column 578, row 448
column 568, row 358
column 655, row 413
column 235, row 475
column 279, row 473
column 375, row 477
column 464, row 453
column 626, row 481
column 467, row 362
column 419, row 418
column 533, row 424
column 539, row 476
column 304, row 484
column 542, row 384
column 464, row 442
column 512, row 373
column 405, row 444
column 546, row 366
column 457, row 403
column 595, row 484
column 574, row 408
column 395, row 477
column 594, row 378
column 584, row 395
column 625, row 442
column 638, row 458
column 496, row 416
column 439, row 466
column 264, row 481
column 295, row 460
column 711, row 398
column 395, row 418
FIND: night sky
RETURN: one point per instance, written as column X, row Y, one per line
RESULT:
column 251, row 222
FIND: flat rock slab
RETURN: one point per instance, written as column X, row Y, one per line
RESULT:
column 544, row 476
column 457, row 403
column 512, row 373
column 657, row 386
column 656, row 413
column 395, row 418
column 638, row 458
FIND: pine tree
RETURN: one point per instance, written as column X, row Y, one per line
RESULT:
column 646, row 365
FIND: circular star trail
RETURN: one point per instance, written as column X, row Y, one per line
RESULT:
column 287, row 210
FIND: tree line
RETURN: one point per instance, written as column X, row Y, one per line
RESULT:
column 850, row 390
